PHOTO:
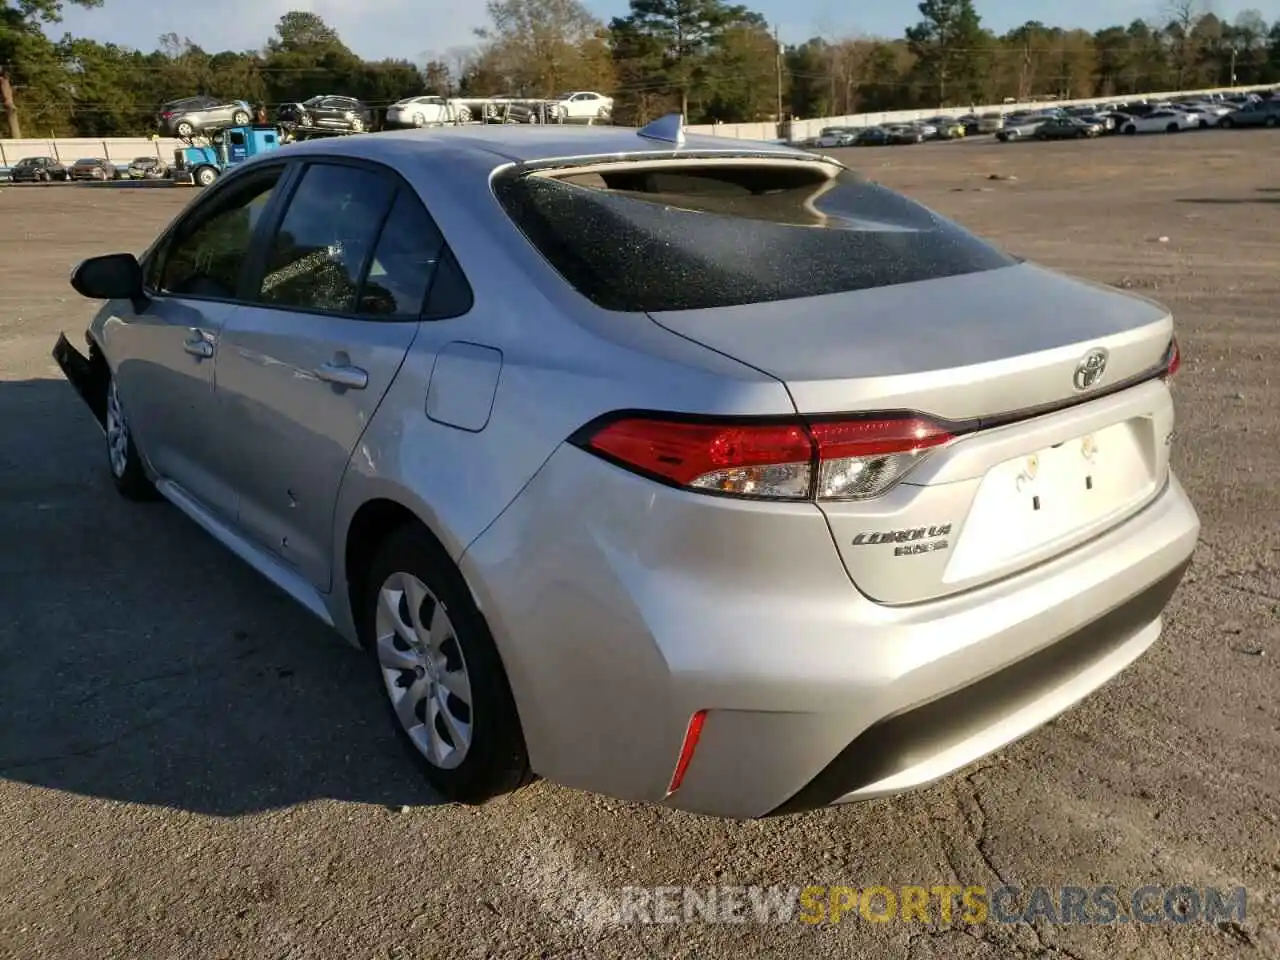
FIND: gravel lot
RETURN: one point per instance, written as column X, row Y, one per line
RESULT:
column 190, row 767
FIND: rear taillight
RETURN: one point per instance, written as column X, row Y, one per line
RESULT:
column 1173, row 360
column 771, row 460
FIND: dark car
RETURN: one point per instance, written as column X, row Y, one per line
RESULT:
column 192, row 115
column 1067, row 128
column 873, row 137
column 1259, row 113
column 38, row 170
column 93, row 168
column 905, row 134
column 327, row 112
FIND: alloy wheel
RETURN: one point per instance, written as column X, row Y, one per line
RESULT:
column 423, row 670
column 117, row 433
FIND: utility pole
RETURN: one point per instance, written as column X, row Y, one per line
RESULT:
column 778, row 64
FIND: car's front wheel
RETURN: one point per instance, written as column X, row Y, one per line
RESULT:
column 127, row 471
column 184, row 129
column 240, row 118
column 440, row 671
column 1226, row 123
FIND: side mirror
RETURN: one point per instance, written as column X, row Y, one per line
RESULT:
column 116, row 276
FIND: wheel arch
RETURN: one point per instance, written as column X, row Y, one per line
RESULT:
column 372, row 523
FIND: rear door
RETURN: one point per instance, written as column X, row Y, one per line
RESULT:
column 303, row 369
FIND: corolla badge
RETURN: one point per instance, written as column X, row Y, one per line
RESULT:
column 1090, row 368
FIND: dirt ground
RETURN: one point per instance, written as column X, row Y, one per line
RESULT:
column 191, row 767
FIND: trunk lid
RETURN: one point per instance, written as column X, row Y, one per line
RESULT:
column 962, row 347
column 1039, row 464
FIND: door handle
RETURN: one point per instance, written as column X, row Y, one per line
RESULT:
column 343, row 374
column 198, row 346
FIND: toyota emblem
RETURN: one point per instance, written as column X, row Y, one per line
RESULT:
column 1090, row 369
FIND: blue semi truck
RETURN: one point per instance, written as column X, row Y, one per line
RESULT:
column 202, row 165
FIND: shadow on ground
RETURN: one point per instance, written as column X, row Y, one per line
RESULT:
column 141, row 662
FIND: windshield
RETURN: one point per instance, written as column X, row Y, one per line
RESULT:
column 87, row 161
column 637, row 238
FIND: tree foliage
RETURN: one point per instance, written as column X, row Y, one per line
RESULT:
column 710, row 59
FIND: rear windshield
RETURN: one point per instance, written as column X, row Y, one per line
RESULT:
column 648, row 239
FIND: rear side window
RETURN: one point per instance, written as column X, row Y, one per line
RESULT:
column 682, row 238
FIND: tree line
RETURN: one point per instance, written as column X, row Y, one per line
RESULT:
column 713, row 60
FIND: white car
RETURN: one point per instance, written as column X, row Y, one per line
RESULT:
column 1161, row 121
column 585, row 105
column 426, row 111
column 1205, row 114
column 836, row 137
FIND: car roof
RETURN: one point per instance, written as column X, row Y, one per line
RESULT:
column 527, row 143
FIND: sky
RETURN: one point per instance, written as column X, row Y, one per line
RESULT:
column 419, row 29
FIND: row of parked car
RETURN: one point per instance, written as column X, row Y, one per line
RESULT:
column 195, row 116
column 1081, row 121
column 52, row 170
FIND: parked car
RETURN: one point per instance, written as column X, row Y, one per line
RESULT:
column 574, row 554
column 990, row 122
column 147, row 168
column 837, row 137
column 1067, row 128
column 1255, row 113
column 1163, row 120
column 190, row 116
column 328, row 112
column 585, row 105
column 93, row 168
column 1020, row 130
column 426, row 111
column 873, row 137
column 902, row 134
column 38, row 170
column 946, row 128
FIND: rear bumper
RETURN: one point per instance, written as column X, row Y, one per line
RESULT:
column 84, row 375
column 620, row 608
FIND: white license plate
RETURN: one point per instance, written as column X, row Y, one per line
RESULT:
column 1030, row 502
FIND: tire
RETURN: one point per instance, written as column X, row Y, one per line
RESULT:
column 1269, row 122
column 1173, row 128
column 43, row 177
column 184, row 129
column 204, row 176
column 464, row 114
column 1130, row 130
column 1226, row 123
column 493, row 759
column 240, row 119
column 123, row 460
column 419, row 120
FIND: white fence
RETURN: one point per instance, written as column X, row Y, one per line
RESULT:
column 803, row 129
column 124, row 149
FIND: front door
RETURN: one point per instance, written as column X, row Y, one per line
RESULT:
column 169, row 350
column 302, row 370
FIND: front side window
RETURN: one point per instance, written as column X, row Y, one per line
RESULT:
column 205, row 254
column 318, row 256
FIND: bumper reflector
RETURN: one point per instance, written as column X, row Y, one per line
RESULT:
column 691, row 735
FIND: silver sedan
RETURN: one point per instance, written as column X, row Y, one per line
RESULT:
column 696, row 472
